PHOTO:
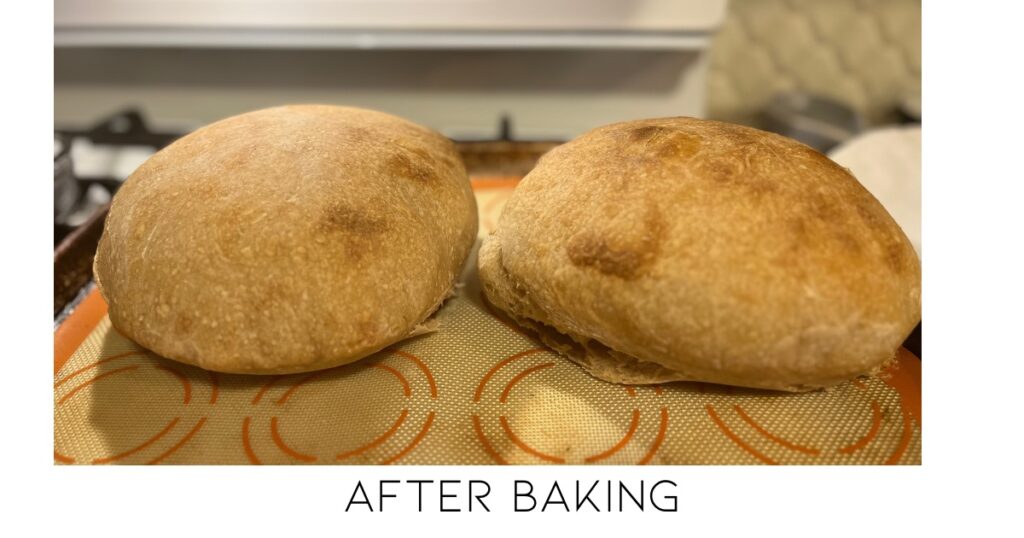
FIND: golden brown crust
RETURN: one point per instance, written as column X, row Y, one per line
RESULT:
column 713, row 251
column 287, row 239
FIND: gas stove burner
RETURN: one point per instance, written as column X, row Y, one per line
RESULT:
column 89, row 165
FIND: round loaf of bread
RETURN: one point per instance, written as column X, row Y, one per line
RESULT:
column 286, row 240
column 682, row 249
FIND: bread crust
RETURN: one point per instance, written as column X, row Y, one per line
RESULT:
column 684, row 249
column 288, row 239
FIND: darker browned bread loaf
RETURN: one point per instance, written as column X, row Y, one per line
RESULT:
column 682, row 249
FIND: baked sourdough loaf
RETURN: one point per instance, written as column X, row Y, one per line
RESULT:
column 287, row 239
column 682, row 249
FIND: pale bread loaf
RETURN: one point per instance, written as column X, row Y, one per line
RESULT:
column 288, row 239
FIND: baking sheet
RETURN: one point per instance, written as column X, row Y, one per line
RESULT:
column 478, row 391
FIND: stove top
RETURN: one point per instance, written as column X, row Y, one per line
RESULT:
column 90, row 164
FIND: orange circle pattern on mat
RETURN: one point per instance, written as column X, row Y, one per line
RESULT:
column 115, row 403
column 169, row 438
column 519, row 368
column 273, row 397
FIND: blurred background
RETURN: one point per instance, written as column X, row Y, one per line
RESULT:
column 506, row 80
column 557, row 67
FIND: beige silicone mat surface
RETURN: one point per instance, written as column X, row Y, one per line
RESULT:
column 477, row 391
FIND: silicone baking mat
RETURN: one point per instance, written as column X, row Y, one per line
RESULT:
column 477, row 391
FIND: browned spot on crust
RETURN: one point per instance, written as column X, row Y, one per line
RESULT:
column 401, row 165
column 740, row 137
column 664, row 143
column 897, row 256
column 182, row 324
column 623, row 256
column 720, row 171
column 824, row 209
column 798, row 228
column 849, row 241
column 273, row 291
column 645, row 133
column 421, row 154
column 832, row 218
column 356, row 230
column 591, row 251
column 897, row 253
column 356, row 133
column 741, row 165
column 340, row 217
column 870, row 216
column 745, row 297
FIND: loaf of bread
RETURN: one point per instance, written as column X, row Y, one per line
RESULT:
column 682, row 249
column 288, row 239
